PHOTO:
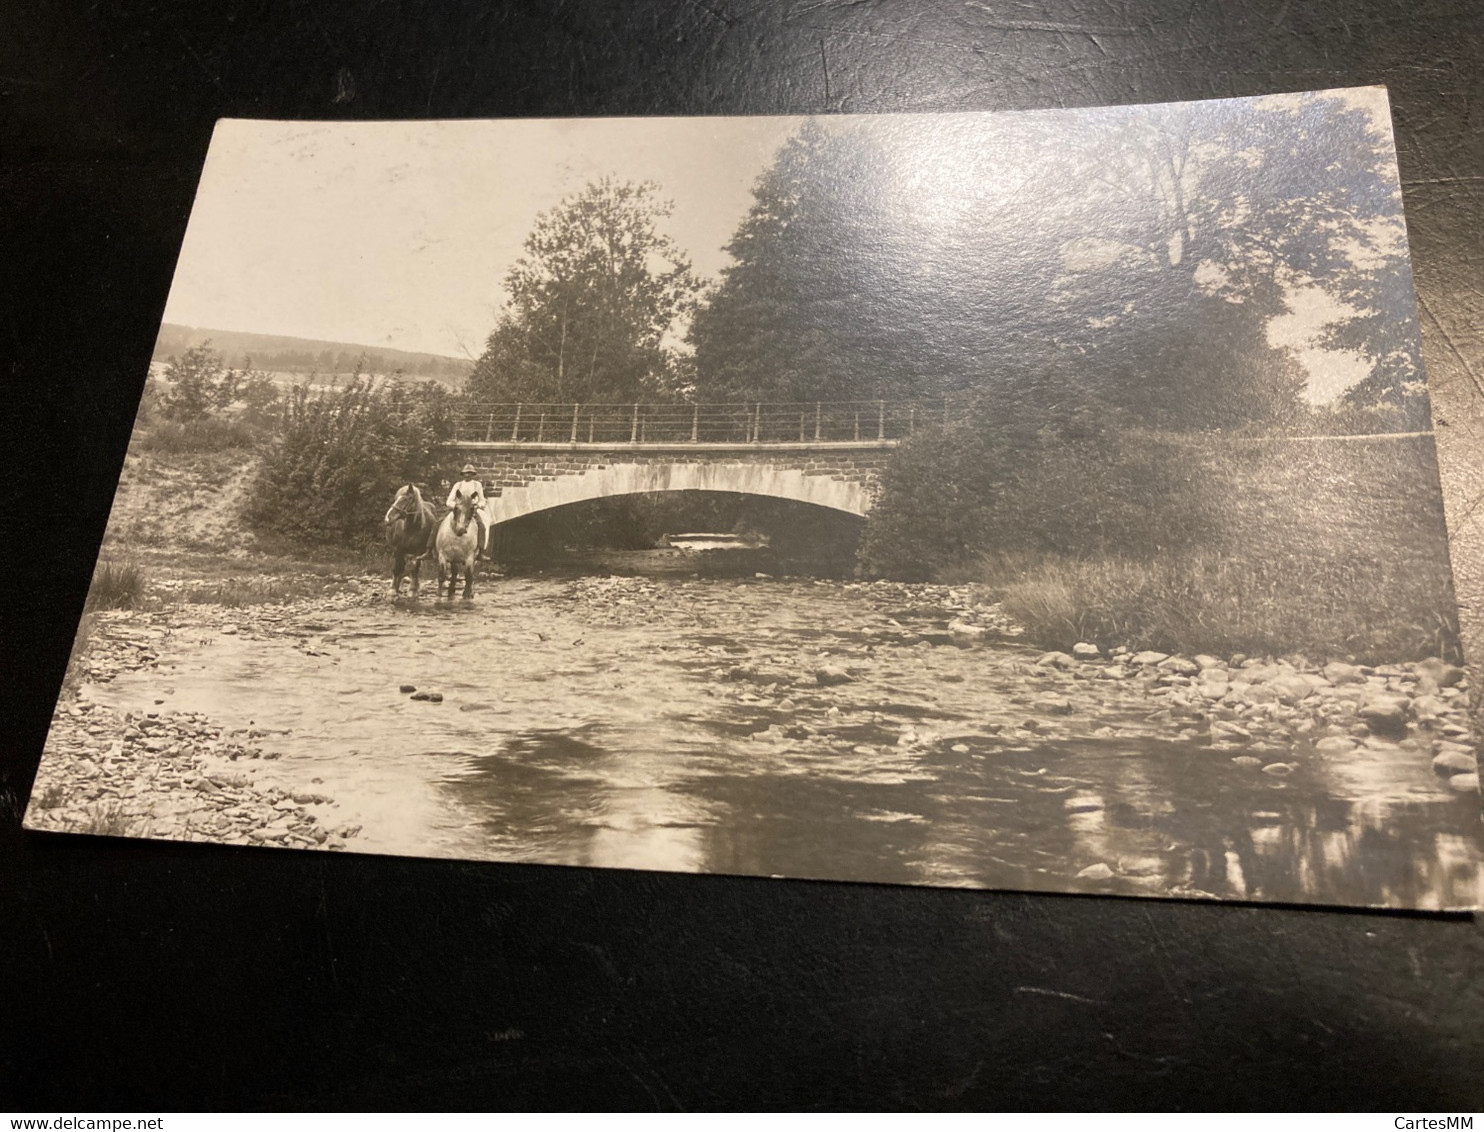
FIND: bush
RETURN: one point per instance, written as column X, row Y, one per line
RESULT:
column 1092, row 529
column 341, row 455
column 1331, row 550
column 1051, row 470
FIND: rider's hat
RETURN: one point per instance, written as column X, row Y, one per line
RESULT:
column 469, row 470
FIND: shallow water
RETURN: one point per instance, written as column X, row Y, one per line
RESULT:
column 601, row 723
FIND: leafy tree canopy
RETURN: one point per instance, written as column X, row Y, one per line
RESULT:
column 1200, row 265
column 594, row 302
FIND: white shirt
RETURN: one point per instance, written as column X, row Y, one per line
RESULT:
column 471, row 489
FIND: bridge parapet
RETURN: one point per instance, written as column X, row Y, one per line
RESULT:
column 758, row 422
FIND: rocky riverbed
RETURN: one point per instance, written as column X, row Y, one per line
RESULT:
column 177, row 774
column 778, row 725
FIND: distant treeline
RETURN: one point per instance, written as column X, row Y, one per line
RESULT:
column 275, row 353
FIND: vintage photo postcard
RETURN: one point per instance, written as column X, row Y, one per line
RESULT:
column 1039, row 501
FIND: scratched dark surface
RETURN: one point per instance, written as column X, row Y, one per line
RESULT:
column 148, row 976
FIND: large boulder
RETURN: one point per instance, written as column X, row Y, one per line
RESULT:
column 1455, row 760
column 1440, row 672
column 1338, row 673
column 1291, row 688
column 1052, row 705
column 1385, row 715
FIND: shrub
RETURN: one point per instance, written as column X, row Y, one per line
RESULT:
column 1050, row 470
column 340, row 456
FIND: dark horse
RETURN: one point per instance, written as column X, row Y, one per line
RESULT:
column 410, row 523
column 457, row 546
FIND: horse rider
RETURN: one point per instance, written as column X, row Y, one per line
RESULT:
column 471, row 487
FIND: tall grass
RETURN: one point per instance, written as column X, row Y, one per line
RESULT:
column 234, row 593
column 202, row 434
column 117, row 584
column 1202, row 602
column 1328, row 550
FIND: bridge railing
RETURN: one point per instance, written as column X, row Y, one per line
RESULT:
column 757, row 422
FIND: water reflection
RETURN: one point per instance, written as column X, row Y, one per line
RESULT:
column 692, row 736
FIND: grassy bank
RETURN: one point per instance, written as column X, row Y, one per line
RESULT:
column 1328, row 549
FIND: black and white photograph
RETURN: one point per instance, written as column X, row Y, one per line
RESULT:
column 1039, row 501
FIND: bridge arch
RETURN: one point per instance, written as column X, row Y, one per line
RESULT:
column 523, row 478
column 543, row 494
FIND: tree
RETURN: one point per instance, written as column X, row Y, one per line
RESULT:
column 1204, row 225
column 1150, row 251
column 195, row 379
column 593, row 304
column 815, row 306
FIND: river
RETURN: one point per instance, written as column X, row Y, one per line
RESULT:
column 796, row 728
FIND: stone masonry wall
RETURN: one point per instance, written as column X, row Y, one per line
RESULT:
column 521, row 479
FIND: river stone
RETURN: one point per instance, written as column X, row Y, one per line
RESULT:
column 1247, row 760
column 1180, row 665
column 1207, row 662
column 1338, row 673
column 1221, row 729
column 829, row 675
column 1147, row 658
column 1291, row 689
column 1279, row 769
column 1053, row 705
column 963, row 631
column 406, row 688
column 1098, row 871
column 1428, row 707
column 1086, row 650
column 1440, row 672
column 1465, row 783
column 1385, row 715
column 1335, row 744
column 1455, row 762
column 1054, row 660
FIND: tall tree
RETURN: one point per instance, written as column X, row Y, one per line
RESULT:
column 1205, row 225
column 1152, row 251
column 813, row 306
column 594, row 303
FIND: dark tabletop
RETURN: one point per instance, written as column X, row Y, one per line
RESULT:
column 153, row 976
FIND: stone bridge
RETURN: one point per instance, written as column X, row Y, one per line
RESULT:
column 522, row 477
column 534, row 457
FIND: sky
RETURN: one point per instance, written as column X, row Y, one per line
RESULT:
column 399, row 234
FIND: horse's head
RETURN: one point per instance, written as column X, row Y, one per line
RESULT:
column 463, row 513
column 404, row 503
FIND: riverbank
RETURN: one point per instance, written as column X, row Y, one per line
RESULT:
column 870, row 685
